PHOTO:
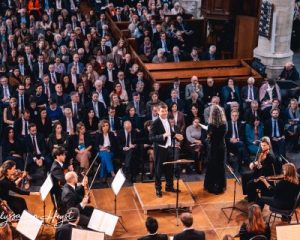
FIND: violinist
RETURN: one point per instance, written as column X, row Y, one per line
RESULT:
column 9, row 182
column 57, row 172
column 76, row 195
column 264, row 165
column 284, row 193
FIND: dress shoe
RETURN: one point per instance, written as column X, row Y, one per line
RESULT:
column 158, row 193
column 172, row 190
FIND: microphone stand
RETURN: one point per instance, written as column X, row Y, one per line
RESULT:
column 233, row 207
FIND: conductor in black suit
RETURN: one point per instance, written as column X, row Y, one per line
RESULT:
column 152, row 226
column 75, row 196
column 163, row 137
column 64, row 231
column 189, row 233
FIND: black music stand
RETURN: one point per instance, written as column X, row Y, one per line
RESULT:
column 233, row 207
column 177, row 175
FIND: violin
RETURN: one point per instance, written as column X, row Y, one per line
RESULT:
column 274, row 178
column 7, row 211
column 257, row 164
column 19, row 174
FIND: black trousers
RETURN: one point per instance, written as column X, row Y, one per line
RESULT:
column 17, row 204
column 164, row 155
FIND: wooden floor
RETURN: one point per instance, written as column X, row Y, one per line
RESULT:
column 207, row 212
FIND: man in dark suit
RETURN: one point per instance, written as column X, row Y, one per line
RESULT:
column 40, row 68
column 174, row 99
column 59, row 96
column 79, row 65
column 235, row 139
column 162, row 136
column 163, row 43
column 35, row 146
column 189, row 233
column 252, row 112
column 21, row 125
column 98, row 107
column 128, row 147
column 53, row 76
column 152, row 226
column 6, row 91
column 22, row 98
column 249, row 93
column 118, row 17
column 75, row 106
column 139, row 105
column 68, row 122
column 211, row 54
column 111, row 75
column 274, row 129
column 64, row 232
column 74, row 196
column 58, row 175
column 23, row 68
column 114, row 122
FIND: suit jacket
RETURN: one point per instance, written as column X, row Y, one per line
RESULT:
column 40, row 143
column 18, row 126
column 156, row 133
column 36, row 70
column 156, row 236
column 180, row 104
column 158, row 44
column 26, row 99
column 117, row 123
column 268, row 127
column 244, row 92
column 64, row 232
column 206, row 56
column 248, row 115
column 57, row 76
column 71, row 197
column 60, row 100
column 101, row 109
column 64, row 123
column 80, row 109
column 240, row 129
column 122, row 138
column 58, row 178
column 99, row 141
column 70, row 65
column 11, row 91
column 170, row 58
column 27, row 70
column 190, row 234
column 226, row 94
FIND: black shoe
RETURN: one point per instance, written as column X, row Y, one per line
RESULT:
column 158, row 193
column 172, row 190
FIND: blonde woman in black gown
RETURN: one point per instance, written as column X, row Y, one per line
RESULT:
column 215, row 181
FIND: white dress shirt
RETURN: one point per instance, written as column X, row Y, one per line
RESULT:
column 167, row 128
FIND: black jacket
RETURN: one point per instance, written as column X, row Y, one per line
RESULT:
column 71, row 198
column 156, row 236
column 190, row 234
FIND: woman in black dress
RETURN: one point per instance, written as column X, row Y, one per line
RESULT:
column 7, row 173
column 44, row 123
column 215, row 181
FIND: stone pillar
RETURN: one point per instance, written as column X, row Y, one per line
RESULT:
column 274, row 53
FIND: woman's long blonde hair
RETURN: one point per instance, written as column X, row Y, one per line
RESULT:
column 216, row 116
column 290, row 173
column 256, row 223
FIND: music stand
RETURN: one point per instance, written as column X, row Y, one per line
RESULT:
column 44, row 191
column 116, row 186
column 180, row 162
column 233, row 207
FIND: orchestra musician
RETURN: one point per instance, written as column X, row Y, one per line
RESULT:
column 264, row 165
column 76, row 195
column 9, row 180
column 57, row 172
column 284, row 193
column 162, row 136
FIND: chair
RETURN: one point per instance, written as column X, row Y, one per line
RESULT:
column 286, row 213
column 259, row 237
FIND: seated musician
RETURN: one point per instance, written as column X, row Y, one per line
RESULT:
column 264, row 165
column 64, row 231
column 255, row 225
column 9, row 181
column 75, row 195
column 57, row 172
column 284, row 193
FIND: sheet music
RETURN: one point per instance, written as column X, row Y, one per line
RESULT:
column 80, row 234
column 118, row 182
column 288, row 232
column 46, row 187
column 29, row 225
column 103, row 222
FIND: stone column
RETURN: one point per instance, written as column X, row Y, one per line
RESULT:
column 274, row 53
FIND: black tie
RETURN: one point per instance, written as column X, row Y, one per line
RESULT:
column 34, row 145
column 26, row 128
column 275, row 129
column 128, row 140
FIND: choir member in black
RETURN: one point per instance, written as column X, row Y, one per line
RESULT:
column 76, row 196
column 91, row 122
column 284, row 193
column 264, row 165
column 44, row 123
column 9, row 182
column 64, row 231
column 12, row 148
column 58, row 137
column 162, row 136
column 255, row 225
column 58, row 175
column 209, row 90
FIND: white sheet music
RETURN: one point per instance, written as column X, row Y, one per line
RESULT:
column 46, row 187
column 29, row 225
column 118, row 182
column 288, row 232
column 80, row 234
column 103, row 222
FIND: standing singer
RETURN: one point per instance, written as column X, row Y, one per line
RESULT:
column 163, row 137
